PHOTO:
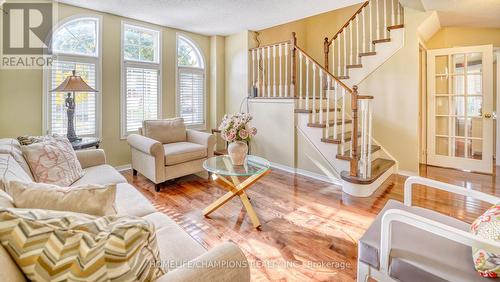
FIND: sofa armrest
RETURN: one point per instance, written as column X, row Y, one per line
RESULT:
column 202, row 138
column 225, row 262
column 445, row 187
column 146, row 145
column 89, row 158
column 431, row 226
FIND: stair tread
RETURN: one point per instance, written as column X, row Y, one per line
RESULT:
column 304, row 111
column 347, row 154
column 379, row 167
column 355, row 66
column 367, row 54
column 384, row 40
column 338, row 139
column 331, row 123
column 343, row 77
column 397, row 26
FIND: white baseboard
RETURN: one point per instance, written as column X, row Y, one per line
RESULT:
column 407, row 173
column 123, row 167
column 306, row 173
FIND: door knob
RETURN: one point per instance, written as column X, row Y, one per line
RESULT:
column 487, row 115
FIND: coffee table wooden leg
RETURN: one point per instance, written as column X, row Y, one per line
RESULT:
column 250, row 211
column 220, row 202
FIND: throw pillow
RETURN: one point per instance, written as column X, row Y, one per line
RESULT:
column 53, row 161
column 62, row 246
column 91, row 199
column 487, row 226
column 28, row 140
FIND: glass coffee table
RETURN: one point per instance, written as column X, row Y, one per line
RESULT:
column 228, row 176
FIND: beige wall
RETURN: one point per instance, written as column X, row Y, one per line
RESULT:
column 395, row 86
column 449, row 37
column 310, row 31
column 236, row 70
column 21, row 90
column 217, row 83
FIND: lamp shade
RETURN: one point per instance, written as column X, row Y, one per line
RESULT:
column 74, row 83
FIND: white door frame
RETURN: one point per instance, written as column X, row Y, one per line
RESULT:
column 484, row 165
column 497, row 109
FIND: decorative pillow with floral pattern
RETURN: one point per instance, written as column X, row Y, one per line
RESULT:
column 487, row 226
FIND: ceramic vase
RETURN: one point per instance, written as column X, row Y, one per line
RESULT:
column 238, row 151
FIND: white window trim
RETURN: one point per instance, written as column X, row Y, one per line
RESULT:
column 132, row 63
column 92, row 59
column 201, row 126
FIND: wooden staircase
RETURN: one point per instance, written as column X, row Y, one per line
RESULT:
column 333, row 115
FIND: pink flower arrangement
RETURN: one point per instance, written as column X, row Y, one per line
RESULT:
column 236, row 127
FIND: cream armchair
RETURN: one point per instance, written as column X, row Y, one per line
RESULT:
column 165, row 150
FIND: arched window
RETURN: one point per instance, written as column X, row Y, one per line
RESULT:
column 190, row 82
column 75, row 43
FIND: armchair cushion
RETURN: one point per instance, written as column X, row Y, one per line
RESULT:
column 181, row 152
column 165, row 131
column 414, row 258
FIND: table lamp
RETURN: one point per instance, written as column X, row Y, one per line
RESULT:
column 72, row 84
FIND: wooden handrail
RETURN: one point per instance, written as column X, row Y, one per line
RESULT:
column 348, row 21
column 326, row 50
column 269, row 45
column 325, row 70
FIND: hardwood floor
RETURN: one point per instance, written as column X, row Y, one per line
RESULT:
column 309, row 228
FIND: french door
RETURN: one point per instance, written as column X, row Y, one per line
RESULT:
column 460, row 108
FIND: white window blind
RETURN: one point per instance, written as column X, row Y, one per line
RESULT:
column 191, row 95
column 141, row 96
column 85, row 114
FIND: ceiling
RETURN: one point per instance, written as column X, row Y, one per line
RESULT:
column 472, row 13
column 214, row 17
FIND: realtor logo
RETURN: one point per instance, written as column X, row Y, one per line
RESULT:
column 26, row 34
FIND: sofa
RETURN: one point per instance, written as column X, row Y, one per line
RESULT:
column 165, row 150
column 412, row 244
column 183, row 257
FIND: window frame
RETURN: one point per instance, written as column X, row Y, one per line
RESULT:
column 137, row 64
column 97, row 60
column 183, row 36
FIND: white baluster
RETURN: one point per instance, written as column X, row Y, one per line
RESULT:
column 307, row 83
column 268, row 71
column 344, row 70
column 321, row 90
column 328, row 84
column 332, row 68
column 357, row 40
column 370, row 23
column 286, row 70
column 385, row 19
column 370, row 128
column 281, row 74
column 314, row 94
column 351, row 39
column 377, row 7
column 258, row 73
column 364, row 30
column 263, row 56
column 393, row 16
column 274, row 71
column 335, row 108
column 300, row 81
column 253, row 70
column 342, row 128
column 339, row 57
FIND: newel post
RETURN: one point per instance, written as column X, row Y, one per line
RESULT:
column 354, row 137
column 326, row 50
column 294, row 63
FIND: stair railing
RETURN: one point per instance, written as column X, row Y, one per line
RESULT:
column 312, row 85
column 370, row 23
column 272, row 70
